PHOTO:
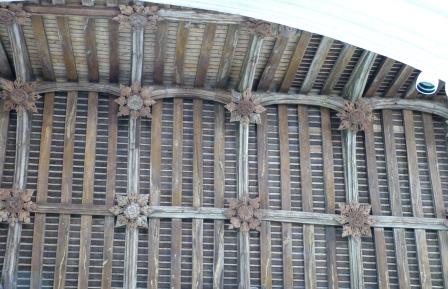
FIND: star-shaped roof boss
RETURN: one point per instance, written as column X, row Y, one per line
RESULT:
column 355, row 116
column 356, row 220
column 131, row 210
column 16, row 206
column 18, row 95
column 244, row 214
column 137, row 16
column 135, row 100
column 244, row 108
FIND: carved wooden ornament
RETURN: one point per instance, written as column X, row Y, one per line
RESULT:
column 259, row 28
column 16, row 205
column 356, row 220
column 13, row 13
column 18, row 95
column 131, row 210
column 137, row 16
column 135, row 100
column 356, row 116
column 243, row 108
column 244, row 214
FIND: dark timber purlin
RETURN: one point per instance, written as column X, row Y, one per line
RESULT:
column 23, row 72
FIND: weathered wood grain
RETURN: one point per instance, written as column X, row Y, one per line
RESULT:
column 228, row 52
column 88, row 187
column 159, row 51
column 22, row 64
column 263, row 189
column 395, row 198
column 181, row 44
column 204, row 55
column 247, row 73
column 372, row 173
column 416, row 199
column 176, row 244
column 294, row 63
column 4, row 123
column 5, row 67
column 338, row 68
column 155, row 187
column 316, row 64
column 106, row 276
column 379, row 77
column 219, row 187
column 42, row 191
column 398, row 82
column 197, row 226
column 436, row 185
column 91, row 55
column 356, row 84
column 137, row 55
column 114, row 60
column 330, row 235
column 66, row 191
column 285, row 195
column 307, row 197
column 42, row 46
column 265, row 82
column 67, row 48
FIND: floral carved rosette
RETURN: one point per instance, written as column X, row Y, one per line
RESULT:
column 131, row 211
column 243, row 108
column 259, row 28
column 13, row 13
column 137, row 16
column 244, row 214
column 135, row 100
column 356, row 220
column 16, row 206
column 355, row 116
column 18, row 95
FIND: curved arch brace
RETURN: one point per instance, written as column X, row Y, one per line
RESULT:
column 332, row 102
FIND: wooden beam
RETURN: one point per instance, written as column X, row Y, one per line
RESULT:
column 247, row 73
column 416, row 199
column 329, row 187
column 379, row 77
column 159, row 51
column 114, row 61
column 358, row 79
column 88, row 187
column 42, row 46
column 67, row 48
column 42, row 191
column 5, row 67
column 395, row 199
column 137, row 55
column 20, row 55
column 307, row 197
column 285, row 185
column 228, row 52
column 295, row 61
column 219, row 188
column 338, row 68
column 91, row 54
column 204, row 55
column 436, row 185
column 316, row 64
column 197, row 225
column 372, row 173
column 176, row 225
column 181, row 44
column 66, row 191
column 403, row 75
column 263, row 189
column 155, row 187
column 106, row 276
column 4, row 123
column 265, row 82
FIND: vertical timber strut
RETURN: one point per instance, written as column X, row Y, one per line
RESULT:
column 247, row 78
column 23, row 72
column 130, row 270
column 353, row 91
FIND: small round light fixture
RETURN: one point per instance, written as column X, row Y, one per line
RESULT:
column 426, row 83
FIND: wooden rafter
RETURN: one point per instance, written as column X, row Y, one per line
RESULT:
column 343, row 59
column 403, row 75
column 159, row 51
column 265, row 82
column 204, row 55
column 379, row 77
column 181, row 45
column 227, row 56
